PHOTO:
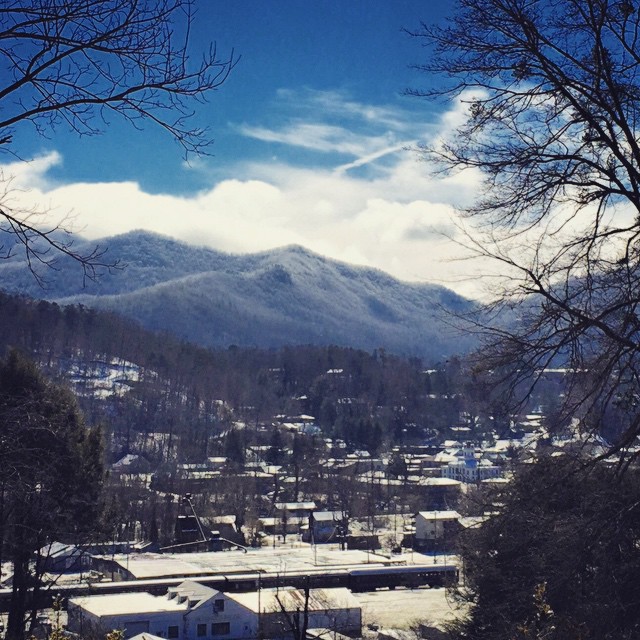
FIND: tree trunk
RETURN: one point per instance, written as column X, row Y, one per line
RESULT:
column 18, row 604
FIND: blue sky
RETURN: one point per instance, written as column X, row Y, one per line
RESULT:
column 314, row 145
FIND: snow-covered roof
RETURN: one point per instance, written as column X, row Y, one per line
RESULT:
column 146, row 636
column 471, row 522
column 271, row 600
column 440, row 482
column 503, row 445
column 188, row 565
column 292, row 521
column 439, row 515
column 359, row 453
column 59, row 549
column 194, row 592
column 230, row 519
column 328, row 516
column 127, row 603
column 125, row 461
column 444, row 457
column 295, row 506
column 186, row 595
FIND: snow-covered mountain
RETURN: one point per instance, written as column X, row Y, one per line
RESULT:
column 270, row 299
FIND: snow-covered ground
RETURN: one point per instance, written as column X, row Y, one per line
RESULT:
column 104, row 377
column 402, row 608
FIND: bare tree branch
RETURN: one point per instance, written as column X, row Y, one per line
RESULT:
column 552, row 90
column 71, row 64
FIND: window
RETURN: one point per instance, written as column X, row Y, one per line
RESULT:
column 220, row 629
column 218, row 605
column 173, row 631
column 202, row 630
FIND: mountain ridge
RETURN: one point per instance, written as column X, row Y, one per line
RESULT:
column 289, row 295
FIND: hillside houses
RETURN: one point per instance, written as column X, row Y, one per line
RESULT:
column 318, row 451
column 276, row 500
column 285, row 460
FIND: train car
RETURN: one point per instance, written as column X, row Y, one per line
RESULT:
column 358, row 579
column 372, row 578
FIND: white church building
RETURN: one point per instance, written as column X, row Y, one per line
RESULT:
column 470, row 468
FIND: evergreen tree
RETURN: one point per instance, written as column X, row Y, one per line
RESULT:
column 275, row 454
column 557, row 558
column 397, row 466
column 234, row 447
column 50, row 478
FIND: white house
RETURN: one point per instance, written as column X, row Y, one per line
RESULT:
column 189, row 611
column 192, row 611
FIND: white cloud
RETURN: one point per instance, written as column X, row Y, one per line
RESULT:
column 33, row 173
column 339, row 104
column 320, row 137
column 392, row 220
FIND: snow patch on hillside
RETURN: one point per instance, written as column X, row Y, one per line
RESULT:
column 105, row 377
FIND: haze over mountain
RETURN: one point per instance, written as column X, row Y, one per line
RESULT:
column 282, row 297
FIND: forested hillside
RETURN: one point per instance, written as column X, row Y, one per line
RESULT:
column 141, row 384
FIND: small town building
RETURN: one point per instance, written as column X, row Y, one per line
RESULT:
column 58, row 557
column 277, row 610
column 294, row 509
column 282, row 526
column 131, row 464
column 192, row 611
column 439, row 493
column 146, row 566
column 288, row 517
column 436, row 530
column 325, row 526
column 189, row 611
